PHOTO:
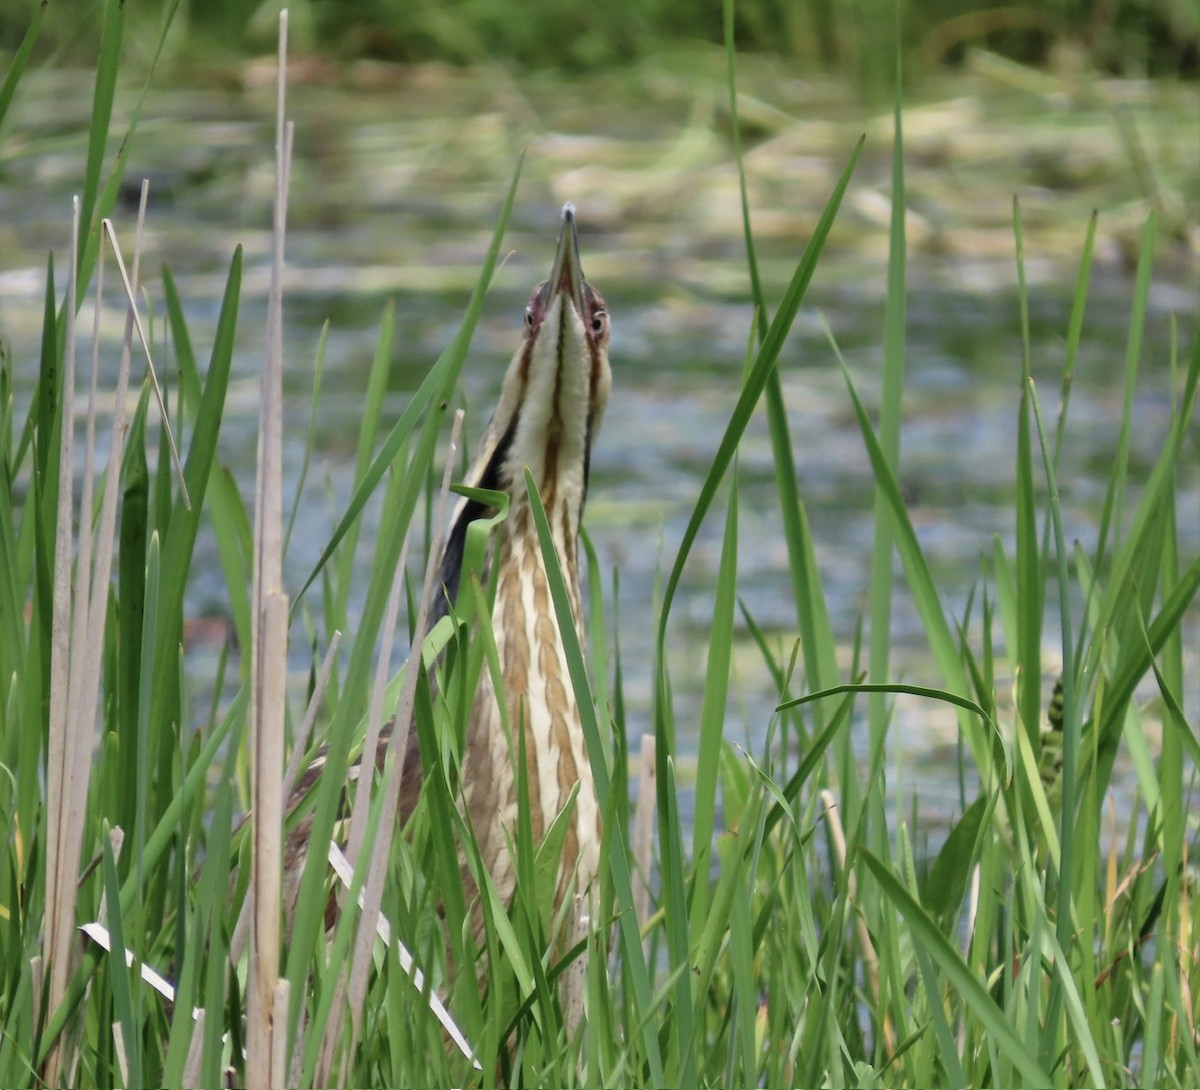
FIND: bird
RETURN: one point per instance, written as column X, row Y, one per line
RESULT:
column 551, row 405
column 552, row 402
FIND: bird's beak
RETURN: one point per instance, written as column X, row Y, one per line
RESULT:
column 566, row 274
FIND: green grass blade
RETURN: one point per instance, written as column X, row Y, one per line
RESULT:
column 1075, row 331
column 1114, row 504
column 190, row 385
column 947, row 1053
column 807, row 592
column 743, row 1058
column 1071, row 738
column 1175, row 717
column 1081, row 1030
column 132, row 584
column 946, row 881
column 20, row 60
column 107, row 63
column 103, row 204
column 978, row 1000
column 368, row 430
column 756, row 292
column 1029, row 571
column 118, row 971
column 1116, row 600
column 139, row 738
column 911, row 690
column 713, row 706
column 811, row 761
column 1136, row 664
column 180, row 538
column 891, row 398
column 231, row 528
column 671, row 869
column 752, row 388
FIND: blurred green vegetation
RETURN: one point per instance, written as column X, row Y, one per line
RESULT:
column 1158, row 38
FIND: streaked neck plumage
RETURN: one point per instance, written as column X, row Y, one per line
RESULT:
column 551, row 404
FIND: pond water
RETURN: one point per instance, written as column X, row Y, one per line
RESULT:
column 397, row 181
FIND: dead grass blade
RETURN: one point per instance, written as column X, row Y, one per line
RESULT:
column 266, row 1049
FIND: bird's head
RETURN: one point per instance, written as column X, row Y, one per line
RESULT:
column 556, row 388
column 551, row 404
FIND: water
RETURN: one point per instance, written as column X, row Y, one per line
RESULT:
column 399, row 176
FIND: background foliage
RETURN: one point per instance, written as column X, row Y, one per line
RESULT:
column 1129, row 37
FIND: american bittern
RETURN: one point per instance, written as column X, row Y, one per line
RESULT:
column 551, row 405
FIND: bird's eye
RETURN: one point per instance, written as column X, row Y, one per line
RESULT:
column 529, row 316
column 599, row 322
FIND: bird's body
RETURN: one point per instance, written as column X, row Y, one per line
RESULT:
column 540, row 701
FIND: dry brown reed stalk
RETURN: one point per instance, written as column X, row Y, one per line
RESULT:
column 195, row 1055
column 265, row 1044
column 59, row 772
column 158, row 394
column 77, row 631
column 241, row 930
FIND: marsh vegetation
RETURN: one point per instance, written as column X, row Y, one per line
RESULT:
column 791, row 907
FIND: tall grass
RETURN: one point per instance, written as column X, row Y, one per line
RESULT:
column 797, row 937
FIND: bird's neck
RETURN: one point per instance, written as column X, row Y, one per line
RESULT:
column 562, row 498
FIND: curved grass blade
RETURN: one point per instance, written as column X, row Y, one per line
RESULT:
column 808, row 764
column 752, row 388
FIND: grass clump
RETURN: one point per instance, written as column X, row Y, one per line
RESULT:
column 793, row 934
